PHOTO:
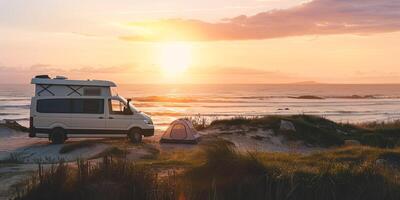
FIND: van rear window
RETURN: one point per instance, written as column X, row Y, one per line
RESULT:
column 82, row 106
column 91, row 91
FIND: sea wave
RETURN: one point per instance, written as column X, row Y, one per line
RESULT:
column 247, row 99
column 15, row 106
column 186, row 114
column 13, row 99
column 311, row 96
column 21, row 119
column 7, row 114
column 183, row 99
column 161, row 104
column 173, row 114
column 361, row 97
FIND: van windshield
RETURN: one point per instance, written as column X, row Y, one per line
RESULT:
column 132, row 107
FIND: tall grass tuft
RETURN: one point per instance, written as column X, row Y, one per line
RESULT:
column 228, row 174
column 199, row 122
column 221, row 172
column 109, row 179
column 225, row 174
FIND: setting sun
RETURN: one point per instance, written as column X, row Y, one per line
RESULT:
column 175, row 58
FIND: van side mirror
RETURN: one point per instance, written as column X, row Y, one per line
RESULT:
column 127, row 109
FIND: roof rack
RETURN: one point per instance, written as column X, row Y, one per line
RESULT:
column 43, row 76
column 60, row 80
column 61, row 86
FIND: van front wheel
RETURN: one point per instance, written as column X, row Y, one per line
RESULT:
column 58, row 136
column 135, row 135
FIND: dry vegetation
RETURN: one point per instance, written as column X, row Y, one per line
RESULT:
column 219, row 171
column 315, row 130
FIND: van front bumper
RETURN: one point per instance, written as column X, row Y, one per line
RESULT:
column 148, row 132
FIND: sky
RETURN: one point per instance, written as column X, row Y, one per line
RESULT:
column 201, row 42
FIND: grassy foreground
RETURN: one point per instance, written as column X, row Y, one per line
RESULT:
column 219, row 171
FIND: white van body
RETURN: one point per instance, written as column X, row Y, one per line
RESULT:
column 79, row 108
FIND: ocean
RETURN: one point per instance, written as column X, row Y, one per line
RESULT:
column 341, row 103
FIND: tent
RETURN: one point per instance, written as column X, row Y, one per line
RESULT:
column 180, row 131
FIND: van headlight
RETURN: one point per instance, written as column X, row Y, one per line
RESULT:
column 147, row 121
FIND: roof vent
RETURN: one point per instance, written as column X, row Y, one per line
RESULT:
column 61, row 77
column 43, row 76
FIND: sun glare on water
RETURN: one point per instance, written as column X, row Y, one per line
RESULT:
column 175, row 58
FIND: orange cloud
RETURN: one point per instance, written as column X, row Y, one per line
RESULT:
column 316, row 17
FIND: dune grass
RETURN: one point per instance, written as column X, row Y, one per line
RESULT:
column 390, row 125
column 319, row 131
column 219, row 171
column 381, row 134
column 348, row 173
column 109, row 179
column 310, row 129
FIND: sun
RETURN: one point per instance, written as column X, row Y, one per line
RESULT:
column 175, row 58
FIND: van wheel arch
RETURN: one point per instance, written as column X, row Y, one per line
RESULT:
column 58, row 135
column 135, row 134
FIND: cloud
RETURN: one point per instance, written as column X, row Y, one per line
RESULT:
column 318, row 17
column 217, row 70
column 60, row 70
column 45, row 68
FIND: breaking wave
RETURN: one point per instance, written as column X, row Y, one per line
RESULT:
column 168, row 99
column 15, row 106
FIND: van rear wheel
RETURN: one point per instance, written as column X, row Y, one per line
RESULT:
column 135, row 135
column 58, row 136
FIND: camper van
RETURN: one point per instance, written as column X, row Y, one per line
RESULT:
column 63, row 109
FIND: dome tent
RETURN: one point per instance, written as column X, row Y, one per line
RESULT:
column 180, row 131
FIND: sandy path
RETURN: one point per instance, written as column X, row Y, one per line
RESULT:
column 19, row 147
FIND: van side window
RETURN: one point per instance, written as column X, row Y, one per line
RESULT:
column 77, row 106
column 87, row 91
column 53, row 106
column 88, row 106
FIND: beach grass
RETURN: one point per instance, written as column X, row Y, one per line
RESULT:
column 319, row 131
column 110, row 178
column 346, row 173
column 219, row 171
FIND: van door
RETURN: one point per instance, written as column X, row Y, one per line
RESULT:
column 118, row 119
column 87, row 114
